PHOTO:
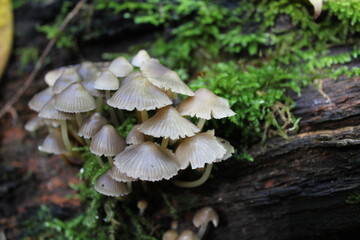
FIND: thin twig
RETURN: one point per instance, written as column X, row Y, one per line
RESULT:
column 40, row 62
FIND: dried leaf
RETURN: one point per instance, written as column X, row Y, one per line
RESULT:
column 317, row 7
column 6, row 32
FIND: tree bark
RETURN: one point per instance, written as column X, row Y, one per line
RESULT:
column 297, row 188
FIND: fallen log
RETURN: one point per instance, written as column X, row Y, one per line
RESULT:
column 303, row 187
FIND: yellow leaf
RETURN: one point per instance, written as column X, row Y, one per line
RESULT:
column 317, row 7
column 6, row 32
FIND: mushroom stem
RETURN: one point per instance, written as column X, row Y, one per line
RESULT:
column 100, row 162
column 78, row 119
column 202, row 231
column 111, row 110
column 164, row 142
column 74, row 135
column 201, row 123
column 99, row 102
column 129, row 186
column 65, row 136
column 121, row 115
column 197, row 182
column 144, row 116
column 111, row 160
column 79, row 140
column 138, row 115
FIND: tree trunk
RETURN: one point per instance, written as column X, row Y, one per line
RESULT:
column 302, row 187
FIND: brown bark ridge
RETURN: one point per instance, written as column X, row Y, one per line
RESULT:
column 297, row 188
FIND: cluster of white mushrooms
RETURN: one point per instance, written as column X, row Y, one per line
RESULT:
column 79, row 99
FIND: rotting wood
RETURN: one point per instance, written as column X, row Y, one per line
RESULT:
column 296, row 188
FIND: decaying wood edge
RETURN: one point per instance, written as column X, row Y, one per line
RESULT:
column 299, row 187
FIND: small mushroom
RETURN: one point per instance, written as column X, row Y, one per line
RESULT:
column 87, row 71
column 142, row 206
column 139, row 93
column 50, row 113
column 40, row 99
column 107, row 81
column 141, row 57
column 53, row 143
column 119, row 176
column 92, row 125
column 120, row 67
column 53, row 75
column 187, row 235
column 109, row 187
column 229, row 149
column 204, row 105
column 147, row 161
column 107, row 142
column 34, row 124
column 168, row 123
column 68, row 77
column 170, row 235
column 130, row 77
column 75, row 99
column 198, row 150
column 202, row 217
column 134, row 136
column 164, row 78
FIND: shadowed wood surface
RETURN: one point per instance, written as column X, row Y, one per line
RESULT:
column 298, row 187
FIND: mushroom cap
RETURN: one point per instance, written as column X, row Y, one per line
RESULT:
column 50, row 112
column 229, row 149
column 130, row 77
column 75, row 99
column 109, row 187
column 120, row 67
column 134, row 136
column 165, row 78
column 142, row 204
column 34, row 124
column 168, row 123
column 198, row 150
column 205, row 104
column 107, row 81
column 147, row 161
column 68, row 77
column 53, row 75
column 187, row 235
column 141, row 57
column 152, row 68
column 87, row 70
column 139, row 93
column 40, row 99
column 89, row 85
column 107, row 142
column 205, row 215
column 92, row 125
column 170, row 235
column 120, row 176
column 53, row 143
